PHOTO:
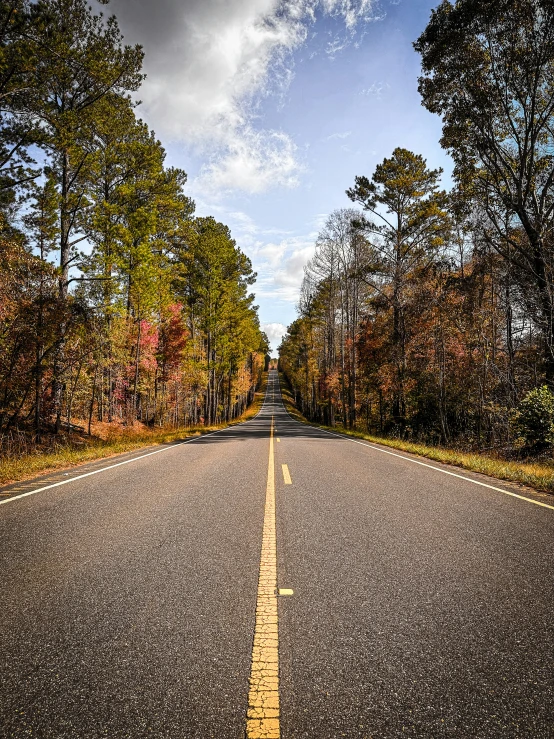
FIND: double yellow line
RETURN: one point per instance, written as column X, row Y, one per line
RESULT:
column 263, row 719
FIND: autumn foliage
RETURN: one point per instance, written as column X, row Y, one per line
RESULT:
column 117, row 305
column 430, row 314
column 412, row 335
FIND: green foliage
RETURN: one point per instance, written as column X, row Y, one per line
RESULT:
column 534, row 418
column 404, row 244
column 488, row 71
column 153, row 320
column 41, row 220
column 409, row 191
column 214, row 285
column 77, row 61
column 17, row 60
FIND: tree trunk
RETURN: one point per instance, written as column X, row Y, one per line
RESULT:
column 91, row 407
column 136, row 379
column 546, row 308
column 63, row 281
column 71, row 395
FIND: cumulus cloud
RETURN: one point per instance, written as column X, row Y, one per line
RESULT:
column 209, row 62
column 252, row 161
column 280, row 278
column 279, row 256
column 275, row 333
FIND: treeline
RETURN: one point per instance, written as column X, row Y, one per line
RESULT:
column 117, row 304
column 429, row 314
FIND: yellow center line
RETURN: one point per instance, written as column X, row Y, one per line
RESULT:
column 263, row 697
column 286, row 474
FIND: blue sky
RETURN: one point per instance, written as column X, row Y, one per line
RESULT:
column 272, row 107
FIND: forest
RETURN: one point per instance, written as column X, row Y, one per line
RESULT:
column 428, row 314
column 118, row 305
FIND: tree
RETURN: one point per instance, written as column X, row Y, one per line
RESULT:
column 404, row 239
column 41, row 221
column 216, row 277
column 18, row 59
column 136, row 208
column 298, row 358
column 79, row 61
column 157, row 303
column 30, row 313
column 332, row 285
column 534, row 417
column 488, row 71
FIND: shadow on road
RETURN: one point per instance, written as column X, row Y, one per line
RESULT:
column 258, row 428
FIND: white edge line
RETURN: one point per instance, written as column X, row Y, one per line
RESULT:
column 128, row 461
column 424, row 464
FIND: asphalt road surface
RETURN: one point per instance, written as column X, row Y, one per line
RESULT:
column 422, row 605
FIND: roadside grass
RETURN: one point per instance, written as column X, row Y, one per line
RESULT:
column 117, row 441
column 538, row 475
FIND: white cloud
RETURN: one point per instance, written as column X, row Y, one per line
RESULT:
column 343, row 135
column 271, row 255
column 209, row 63
column 336, row 45
column 289, row 277
column 279, row 262
column 318, row 222
column 243, row 221
column 252, row 161
column 281, row 267
column 275, row 333
column 375, row 90
column 249, row 236
column 353, row 11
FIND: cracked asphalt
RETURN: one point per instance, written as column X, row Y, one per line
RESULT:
column 423, row 604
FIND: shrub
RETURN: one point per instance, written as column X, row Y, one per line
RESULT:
column 534, row 419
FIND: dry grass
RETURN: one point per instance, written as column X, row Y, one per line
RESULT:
column 288, row 401
column 108, row 442
column 538, row 475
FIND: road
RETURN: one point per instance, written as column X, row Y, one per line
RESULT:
column 140, row 600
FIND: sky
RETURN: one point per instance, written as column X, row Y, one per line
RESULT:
column 272, row 107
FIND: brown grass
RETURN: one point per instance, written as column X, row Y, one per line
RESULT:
column 108, row 441
column 538, row 475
